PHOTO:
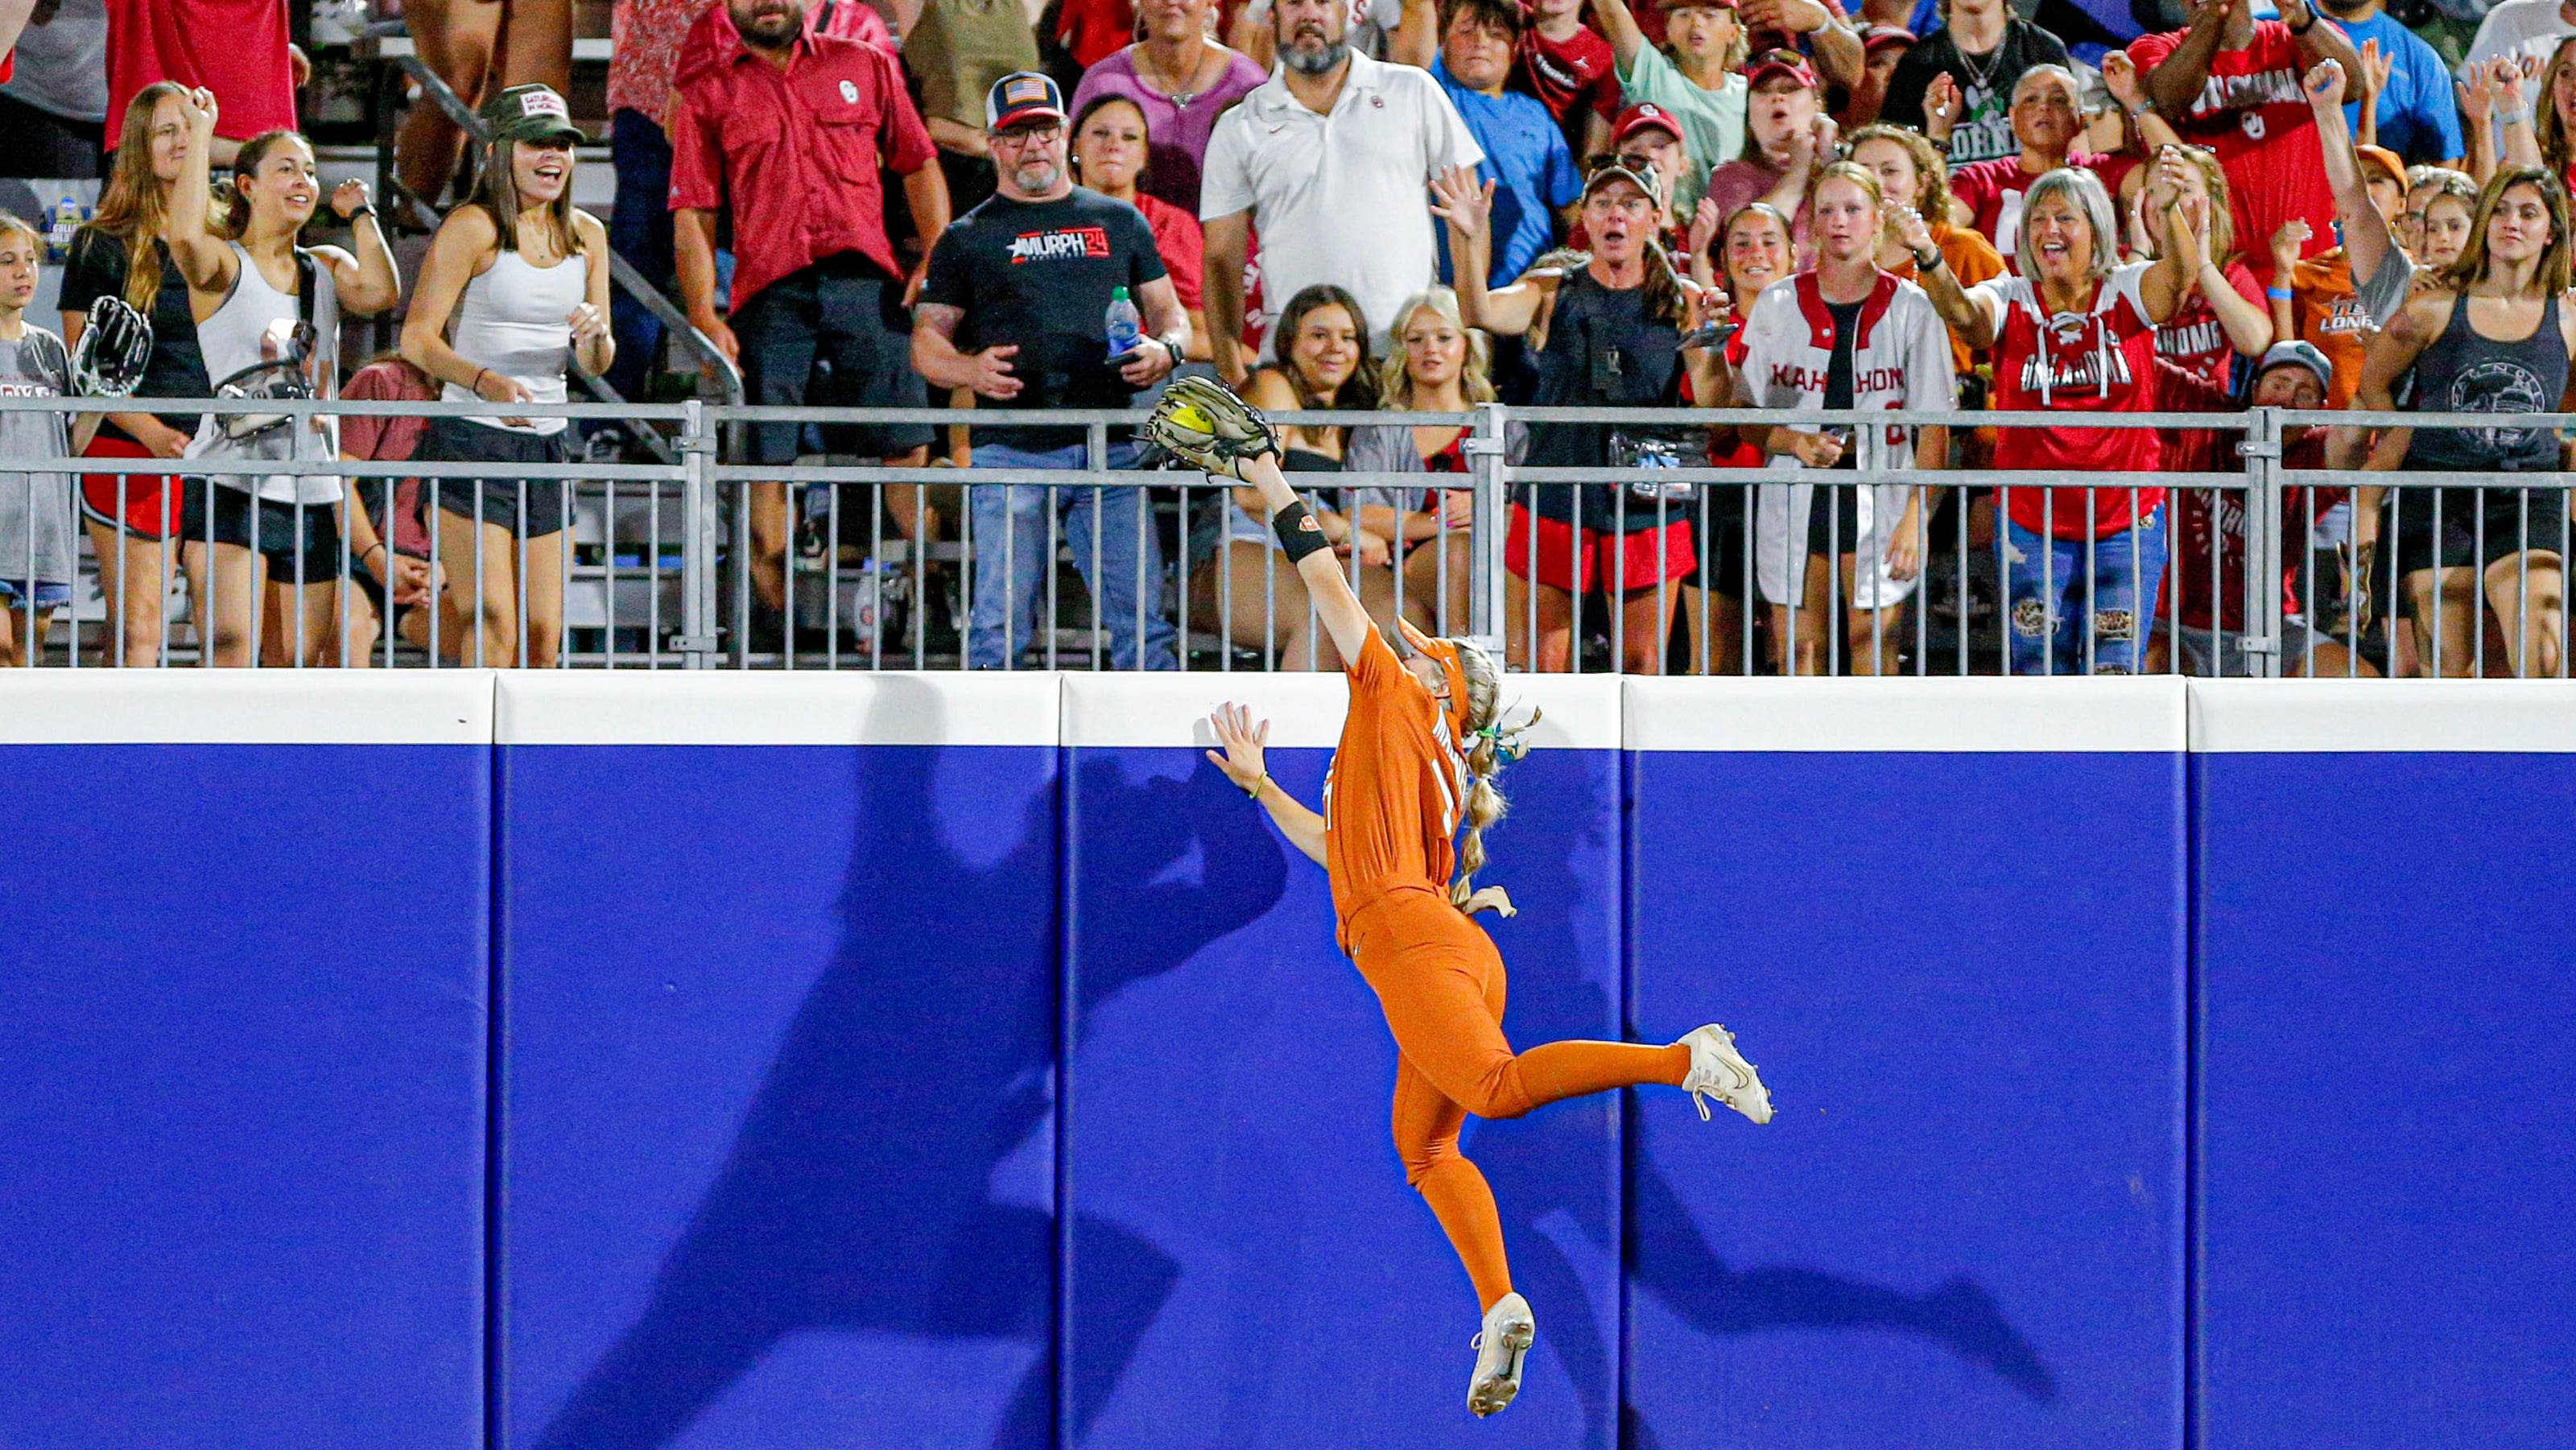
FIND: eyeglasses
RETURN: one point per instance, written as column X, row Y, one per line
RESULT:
column 1044, row 133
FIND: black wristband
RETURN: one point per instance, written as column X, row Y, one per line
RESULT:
column 1299, row 534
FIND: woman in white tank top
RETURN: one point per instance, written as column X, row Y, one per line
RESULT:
column 514, row 289
column 266, row 547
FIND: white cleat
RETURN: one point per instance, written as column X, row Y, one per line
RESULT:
column 1718, row 1071
column 1509, row 1331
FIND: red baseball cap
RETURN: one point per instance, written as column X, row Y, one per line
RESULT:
column 1877, row 36
column 1781, row 63
column 1644, row 116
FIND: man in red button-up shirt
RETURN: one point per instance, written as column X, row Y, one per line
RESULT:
column 788, row 131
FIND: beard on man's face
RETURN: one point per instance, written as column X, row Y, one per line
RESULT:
column 1309, row 52
column 769, row 24
column 1037, row 175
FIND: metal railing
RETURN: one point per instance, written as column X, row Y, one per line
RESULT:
column 662, row 564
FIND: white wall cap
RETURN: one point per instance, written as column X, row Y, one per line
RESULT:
column 2330, row 716
column 2095, row 713
column 245, row 707
column 777, row 707
column 1306, row 710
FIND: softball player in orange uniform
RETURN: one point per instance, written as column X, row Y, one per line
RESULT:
column 1417, row 757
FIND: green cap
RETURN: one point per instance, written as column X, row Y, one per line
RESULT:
column 531, row 113
column 1117, row 294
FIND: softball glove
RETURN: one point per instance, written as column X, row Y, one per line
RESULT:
column 1204, row 425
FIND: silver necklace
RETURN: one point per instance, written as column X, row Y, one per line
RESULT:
column 1982, row 77
column 1180, row 99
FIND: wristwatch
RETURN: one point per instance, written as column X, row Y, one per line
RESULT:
column 1931, row 263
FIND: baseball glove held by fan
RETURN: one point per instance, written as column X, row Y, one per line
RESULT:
column 109, row 359
column 1204, row 425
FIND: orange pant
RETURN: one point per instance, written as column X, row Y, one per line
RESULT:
column 1441, row 983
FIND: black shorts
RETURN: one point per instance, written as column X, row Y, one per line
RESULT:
column 2478, row 526
column 1718, row 522
column 458, row 440
column 283, row 533
column 1833, row 520
column 831, row 335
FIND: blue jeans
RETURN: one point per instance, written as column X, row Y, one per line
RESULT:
column 1012, row 560
column 639, row 229
column 2051, row 582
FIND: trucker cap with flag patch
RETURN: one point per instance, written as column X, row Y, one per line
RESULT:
column 1021, row 97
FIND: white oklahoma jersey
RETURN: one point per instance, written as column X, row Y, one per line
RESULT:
column 1900, row 355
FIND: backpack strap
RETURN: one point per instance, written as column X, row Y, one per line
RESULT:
column 307, row 284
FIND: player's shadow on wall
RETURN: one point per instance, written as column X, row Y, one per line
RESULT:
column 859, row 1194
column 1554, row 1160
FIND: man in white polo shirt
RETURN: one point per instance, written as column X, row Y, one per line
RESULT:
column 1328, row 160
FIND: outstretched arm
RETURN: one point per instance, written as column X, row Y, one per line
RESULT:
column 1326, row 586
column 1243, row 738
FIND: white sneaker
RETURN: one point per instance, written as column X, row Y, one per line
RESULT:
column 1509, row 1330
column 1718, row 1071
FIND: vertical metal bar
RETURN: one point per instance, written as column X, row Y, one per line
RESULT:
column 519, row 571
column 1831, row 626
column 787, row 561
column 2048, row 581
column 697, row 544
column 608, row 565
column 1575, row 561
column 437, row 614
column 1618, row 578
column 1706, row 538
column 2092, row 572
column 2262, row 546
column 653, row 572
column 1490, row 467
column 124, row 570
column 1095, row 460
column 2438, row 541
column 1181, row 629
column 2521, row 653
column 1529, row 641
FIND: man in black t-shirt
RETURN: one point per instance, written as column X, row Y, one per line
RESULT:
column 1015, row 305
column 1982, row 48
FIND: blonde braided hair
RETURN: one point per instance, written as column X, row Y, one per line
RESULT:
column 1489, row 743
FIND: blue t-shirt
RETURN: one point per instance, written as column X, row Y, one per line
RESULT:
column 2419, row 116
column 1530, row 165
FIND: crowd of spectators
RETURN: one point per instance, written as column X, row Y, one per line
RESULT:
column 1366, row 204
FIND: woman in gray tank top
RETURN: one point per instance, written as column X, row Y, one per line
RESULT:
column 514, row 289
column 2490, row 334
column 266, row 546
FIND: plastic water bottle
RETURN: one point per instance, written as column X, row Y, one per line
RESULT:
column 1125, row 326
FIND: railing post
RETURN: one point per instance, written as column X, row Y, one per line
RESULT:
column 698, row 543
column 2263, row 542
column 1485, row 456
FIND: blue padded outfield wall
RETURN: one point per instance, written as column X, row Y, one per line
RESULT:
column 602, row 1062
column 246, row 943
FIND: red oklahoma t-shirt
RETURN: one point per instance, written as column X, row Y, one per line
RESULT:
column 2192, row 338
column 1569, row 77
column 2098, row 361
column 2252, row 114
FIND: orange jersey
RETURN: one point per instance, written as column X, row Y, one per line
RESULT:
column 2326, row 313
column 1398, row 783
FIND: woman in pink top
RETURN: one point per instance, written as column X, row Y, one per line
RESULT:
column 1181, row 80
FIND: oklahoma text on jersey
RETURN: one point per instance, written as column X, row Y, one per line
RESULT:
column 1060, row 244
